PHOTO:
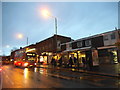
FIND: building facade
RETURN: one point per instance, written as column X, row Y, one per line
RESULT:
column 83, row 48
column 110, row 52
column 49, row 47
column 98, row 49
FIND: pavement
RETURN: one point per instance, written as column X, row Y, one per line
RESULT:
column 111, row 70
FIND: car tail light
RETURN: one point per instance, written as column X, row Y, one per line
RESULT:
column 25, row 64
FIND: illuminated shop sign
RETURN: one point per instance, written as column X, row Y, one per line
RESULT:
column 30, row 50
column 30, row 54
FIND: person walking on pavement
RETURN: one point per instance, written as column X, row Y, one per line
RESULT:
column 70, row 62
column 75, row 61
column 89, row 64
column 60, row 61
column 84, row 63
column 53, row 62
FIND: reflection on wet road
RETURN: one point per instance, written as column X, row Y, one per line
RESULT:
column 50, row 78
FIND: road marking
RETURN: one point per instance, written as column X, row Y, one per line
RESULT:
column 8, row 79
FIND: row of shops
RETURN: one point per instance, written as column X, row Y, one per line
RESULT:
column 93, row 57
column 95, row 50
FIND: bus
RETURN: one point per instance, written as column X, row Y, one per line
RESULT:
column 25, row 59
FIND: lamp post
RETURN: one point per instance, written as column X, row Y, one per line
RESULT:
column 46, row 13
column 27, row 40
column 20, row 36
column 56, row 25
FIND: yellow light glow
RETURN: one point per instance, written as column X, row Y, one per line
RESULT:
column 30, row 54
column 25, row 64
column 20, row 36
column 45, row 59
column 26, row 73
column 35, row 69
column 41, row 59
column 45, row 13
column 41, row 71
column 73, row 69
column 11, row 60
column 55, row 57
column 30, row 50
column 49, row 53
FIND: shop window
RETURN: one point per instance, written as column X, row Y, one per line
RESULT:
column 88, row 43
column 79, row 44
column 114, row 55
column 58, row 43
column 63, row 47
column 113, row 36
column 106, row 37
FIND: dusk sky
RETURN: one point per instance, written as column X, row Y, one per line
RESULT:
column 75, row 20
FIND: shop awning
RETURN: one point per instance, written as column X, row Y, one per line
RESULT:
column 106, row 47
column 83, row 49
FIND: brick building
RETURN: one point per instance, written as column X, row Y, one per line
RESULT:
column 48, row 47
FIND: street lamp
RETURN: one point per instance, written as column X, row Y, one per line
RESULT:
column 46, row 13
column 20, row 36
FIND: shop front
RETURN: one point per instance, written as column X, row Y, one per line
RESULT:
column 45, row 58
column 77, row 56
column 81, row 57
column 108, row 55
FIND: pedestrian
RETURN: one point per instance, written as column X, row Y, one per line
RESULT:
column 75, row 61
column 53, row 62
column 70, row 62
column 60, row 61
column 84, row 62
column 89, row 64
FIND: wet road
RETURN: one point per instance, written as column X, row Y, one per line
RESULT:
column 48, row 78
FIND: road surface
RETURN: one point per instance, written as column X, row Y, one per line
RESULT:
column 14, row 77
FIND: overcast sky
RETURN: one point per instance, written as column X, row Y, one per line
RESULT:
column 75, row 20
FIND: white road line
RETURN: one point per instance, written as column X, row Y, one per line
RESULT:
column 9, row 80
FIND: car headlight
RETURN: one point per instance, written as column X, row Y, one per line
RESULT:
column 25, row 64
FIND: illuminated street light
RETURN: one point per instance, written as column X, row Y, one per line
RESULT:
column 46, row 13
column 20, row 36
